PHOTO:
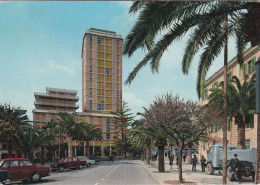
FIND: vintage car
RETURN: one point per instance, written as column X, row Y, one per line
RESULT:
column 94, row 158
column 89, row 161
column 3, row 176
column 68, row 163
column 23, row 169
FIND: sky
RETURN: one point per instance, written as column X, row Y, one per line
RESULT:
column 40, row 46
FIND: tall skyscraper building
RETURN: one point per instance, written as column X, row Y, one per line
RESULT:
column 102, row 82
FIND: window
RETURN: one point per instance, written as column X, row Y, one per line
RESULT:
column 107, row 72
column 90, row 69
column 25, row 163
column 244, row 70
column 230, row 76
column 99, row 40
column 90, row 106
column 100, row 107
column 252, row 121
column 229, row 124
column 108, row 136
column 248, row 144
column 253, row 64
column 90, row 39
column 117, row 93
column 14, row 164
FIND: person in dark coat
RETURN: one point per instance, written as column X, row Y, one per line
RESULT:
column 171, row 160
column 234, row 164
column 194, row 162
column 203, row 163
column 184, row 157
column 111, row 158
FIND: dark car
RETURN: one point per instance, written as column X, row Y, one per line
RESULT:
column 23, row 169
column 68, row 163
column 94, row 158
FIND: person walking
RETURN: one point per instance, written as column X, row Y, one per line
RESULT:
column 234, row 164
column 177, row 161
column 184, row 157
column 194, row 162
column 203, row 163
column 111, row 158
column 171, row 160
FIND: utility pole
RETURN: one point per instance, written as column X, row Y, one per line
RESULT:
column 257, row 178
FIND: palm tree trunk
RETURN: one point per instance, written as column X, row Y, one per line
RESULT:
column 189, row 153
column 224, row 176
column 148, row 151
column 241, row 135
column 180, row 165
column 70, row 147
column 161, row 159
column 87, row 148
column 142, row 156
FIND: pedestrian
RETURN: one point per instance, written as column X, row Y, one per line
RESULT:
column 184, row 157
column 234, row 164
column 111, row 158
column 171, row 160
column 194, row 162
column 203, row 163
column 177, row 161
column 155, row 157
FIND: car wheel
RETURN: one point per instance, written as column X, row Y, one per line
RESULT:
column 35, row 177
column 88, row 165
column 210, row 169
column 229, row 173
column 80, row 167
column 61, row 168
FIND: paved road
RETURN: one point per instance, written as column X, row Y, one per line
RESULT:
column 119, row 172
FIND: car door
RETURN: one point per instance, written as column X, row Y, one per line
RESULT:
column 27, row 169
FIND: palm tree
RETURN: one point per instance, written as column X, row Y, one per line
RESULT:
column 92, row 133
column 241, row 103
column 71, row 126
column 210, row 24
column 11, row 119
column 143, row 137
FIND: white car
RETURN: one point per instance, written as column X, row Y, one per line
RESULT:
column 89, row 161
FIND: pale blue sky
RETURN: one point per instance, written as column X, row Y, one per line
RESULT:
column 40, row 46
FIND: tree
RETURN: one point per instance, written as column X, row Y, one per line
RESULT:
column 158, row 134
column 11, row 119
column 241, row 103
column 122, row 118
column 123, row 145
column 92, row 133
column 143, row 137
column 184, row 121
column 71, row 125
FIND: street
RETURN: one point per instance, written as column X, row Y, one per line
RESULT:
column 119, row 172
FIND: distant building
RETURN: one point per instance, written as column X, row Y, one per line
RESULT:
column 102, row 83
column 216, row 134
column 48, row 105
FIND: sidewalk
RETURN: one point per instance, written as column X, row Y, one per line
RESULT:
column 197, row 177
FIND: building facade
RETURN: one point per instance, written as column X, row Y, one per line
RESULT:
column 102, row 83
column 48, row 105
column 216, row 135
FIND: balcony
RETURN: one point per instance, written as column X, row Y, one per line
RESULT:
column 56, row 104
column 75, row 98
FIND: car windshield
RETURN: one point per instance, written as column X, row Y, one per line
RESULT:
column 1, row 162
column 61, row 160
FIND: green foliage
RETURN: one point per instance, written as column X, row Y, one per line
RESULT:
column 203, row 20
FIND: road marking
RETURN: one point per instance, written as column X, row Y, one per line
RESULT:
column 97, row 183
column 102, row 179
column 106, row 175
column 109, row 173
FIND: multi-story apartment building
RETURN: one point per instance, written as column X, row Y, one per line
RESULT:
column 234, row 69
column 102, row 83
column 48, row 105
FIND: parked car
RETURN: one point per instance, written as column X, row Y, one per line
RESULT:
column 23, row 169
column 89, row 161
column 68, row 163
column 3, row 176
column 94, row 158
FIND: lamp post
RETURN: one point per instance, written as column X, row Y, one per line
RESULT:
column 257, row 178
